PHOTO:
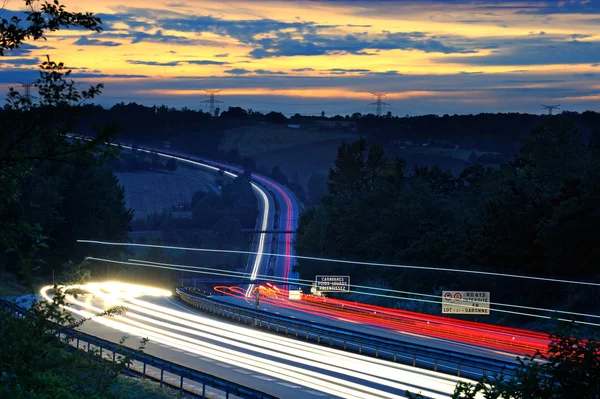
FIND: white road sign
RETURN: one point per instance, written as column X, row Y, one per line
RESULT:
column 466, row 302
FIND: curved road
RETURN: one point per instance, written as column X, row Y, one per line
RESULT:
column 283, row 367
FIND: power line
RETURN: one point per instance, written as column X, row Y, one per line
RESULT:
column 308, row 283
column 378, row 103
column 351, row 262
column 211, row 101
column 550, row 108
column 277, row 279
column 27, row 87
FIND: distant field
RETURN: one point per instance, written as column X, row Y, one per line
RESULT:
column 306, row 150
column 303, row 150
column 148, row 192
column 257, row 139
column 453, row 159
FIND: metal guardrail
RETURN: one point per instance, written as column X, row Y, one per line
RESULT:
column 445, row 361
column 189, row 381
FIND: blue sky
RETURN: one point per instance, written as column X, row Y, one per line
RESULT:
column 312, row 56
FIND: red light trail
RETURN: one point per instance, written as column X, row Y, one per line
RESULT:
column 513, row 340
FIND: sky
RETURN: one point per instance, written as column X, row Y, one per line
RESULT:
column 430, row 57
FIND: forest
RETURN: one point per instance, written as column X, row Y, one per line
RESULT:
column 535, row 215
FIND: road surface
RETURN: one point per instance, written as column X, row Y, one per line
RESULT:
column 280, row 366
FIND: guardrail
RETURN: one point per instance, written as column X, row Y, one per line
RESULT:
column 188, row 381
column 449, row 362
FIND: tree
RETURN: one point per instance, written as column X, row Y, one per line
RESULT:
column 171, row 165
column 278, row 176
column 156, row 164
column 35, row 364
column 35, row 132
column 276, row 117
column 571, row 369
column 235, row 113
column 316, row 187
column 249, row 166
column 229, row 229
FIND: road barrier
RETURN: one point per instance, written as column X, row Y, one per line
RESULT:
column 188, row 381
column 448, row 362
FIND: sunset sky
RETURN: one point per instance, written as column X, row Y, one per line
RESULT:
column 307, row 56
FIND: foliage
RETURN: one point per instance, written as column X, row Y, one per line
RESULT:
column 316, row 187
column 35, row 364
column 571, row 369
column 134, row 388
column 171, row 165
column 538, row 215
column 45, row 176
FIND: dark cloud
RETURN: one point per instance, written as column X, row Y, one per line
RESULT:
column 175, row 63
column 222, row 55
column 561, row 7
column 386, row 73
column 159, row 37
column 26, row 49
column 153, row 63
column 342, row 71
column 302, row 70
column 85, row 41
column 15, row 75
column 283, row 44
column 267, row 72
column 536, row 50
column 17, row 62
column 237, row 71
column 308, row 38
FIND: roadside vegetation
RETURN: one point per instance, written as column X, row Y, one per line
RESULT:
column 535, row 215
column 53, row 191
column 571, row 369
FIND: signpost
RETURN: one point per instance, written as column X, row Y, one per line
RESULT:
column 466, row 302
column 332, row 283
column 257, row 295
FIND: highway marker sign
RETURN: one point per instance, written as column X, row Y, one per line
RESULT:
column 332, row 283
column 466, row 302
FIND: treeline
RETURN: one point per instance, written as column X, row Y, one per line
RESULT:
column 235, row 204
column 538, row 215
column 53, row 192
column 139, row 161
column 201, row 132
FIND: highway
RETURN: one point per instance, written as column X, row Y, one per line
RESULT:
column 280, row 366
column 268, row 192
column 489, row 338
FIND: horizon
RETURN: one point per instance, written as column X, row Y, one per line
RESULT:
column 312, row 56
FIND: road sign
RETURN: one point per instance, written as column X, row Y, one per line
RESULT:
column 466, row 302
column 332, row 283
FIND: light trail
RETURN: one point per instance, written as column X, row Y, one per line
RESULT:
column 351, row 262
column 227, row 273
column 262, row 194
column 319, row 368
column 450, row 331
column 308, row 283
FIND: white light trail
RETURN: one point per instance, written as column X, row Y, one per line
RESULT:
column 351, row 262
column 266, row 210
column 308, row 283
column 323, row 369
